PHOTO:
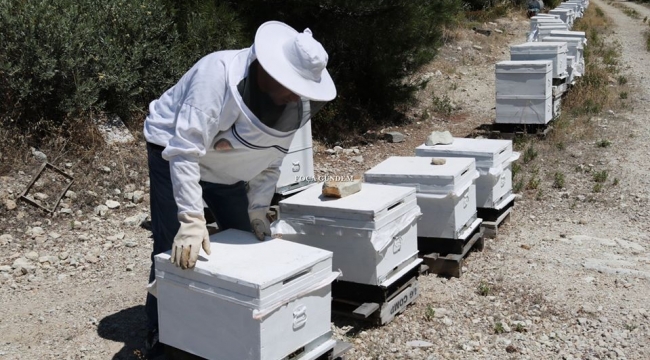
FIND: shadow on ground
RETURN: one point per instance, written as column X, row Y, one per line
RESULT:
column 127, row 326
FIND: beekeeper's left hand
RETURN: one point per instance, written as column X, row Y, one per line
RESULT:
column 260, row 224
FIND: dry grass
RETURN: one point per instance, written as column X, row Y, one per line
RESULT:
column 81, row 152
column 627, row 11
column 599, row 89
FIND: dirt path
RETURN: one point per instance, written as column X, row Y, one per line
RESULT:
column 568, row 278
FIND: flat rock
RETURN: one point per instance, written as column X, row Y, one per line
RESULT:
column 32, row 255
column 419, row 343
column 394, row 137
column 340, row 189
column 138, row 196
column 112, row 204
column 41, row 196
column 134, row 220
column 438, row 161
column 70, row 194
column 5, row 268
column 439, row 138
column 358, row 159
column 10, row 204
column 101, row 210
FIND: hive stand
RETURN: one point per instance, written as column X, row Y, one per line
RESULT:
column 451, row 264
column 377, row 305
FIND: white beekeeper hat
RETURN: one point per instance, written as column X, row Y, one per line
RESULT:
column 295, row 60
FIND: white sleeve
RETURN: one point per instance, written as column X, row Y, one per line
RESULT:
column 262, row 187
column 183, row 152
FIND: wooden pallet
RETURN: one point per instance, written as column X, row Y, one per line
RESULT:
column 491, row 228
column 376, row 305
column 451, row 265
column 445, row 246
column 491, row 214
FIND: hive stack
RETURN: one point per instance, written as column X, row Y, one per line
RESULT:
column 244, row 298
column 524, row 92
column 373, row 235
column 446, row 194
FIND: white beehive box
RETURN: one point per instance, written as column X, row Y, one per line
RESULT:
column 524, row 92
column 526, row 78
column 372, row 233
column 247, row 300
column 544, row 30
column 523, row 110
column 297, row 167
column 554, row 51
column 570, row 34
column 537, row 20
column 547, row 16
column 576, row 7
column 493, row 161
column 575, row 49
column 566, row 15
column 446, row 194
column 571, row 69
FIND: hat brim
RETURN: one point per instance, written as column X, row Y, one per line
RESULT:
column 269, row 41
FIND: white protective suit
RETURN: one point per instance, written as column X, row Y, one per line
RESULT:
column 209, row 134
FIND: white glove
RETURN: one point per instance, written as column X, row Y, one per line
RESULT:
column 191, row 236
column 260, row 224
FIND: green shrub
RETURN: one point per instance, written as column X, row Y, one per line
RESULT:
column 530, row 154
column 600, row 176
column 558, row 180
column 66, row 58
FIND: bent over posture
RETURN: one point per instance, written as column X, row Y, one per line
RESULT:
column 219, row 136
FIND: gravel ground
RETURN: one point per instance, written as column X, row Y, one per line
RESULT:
column 567, row 278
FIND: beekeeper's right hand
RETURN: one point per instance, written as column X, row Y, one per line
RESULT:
column 191, row 236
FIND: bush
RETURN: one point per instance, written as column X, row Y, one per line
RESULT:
column 66, row 58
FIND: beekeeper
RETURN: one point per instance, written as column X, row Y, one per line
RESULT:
column 219, row 135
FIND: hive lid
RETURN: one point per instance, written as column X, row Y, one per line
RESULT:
column 241, row 264
column 539, row 47
column 418, row 171
column 532, row 66
column 487, row 152
column 573, row 42
column 571, row 33
column 372, row 203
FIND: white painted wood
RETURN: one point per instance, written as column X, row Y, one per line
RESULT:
column 554, row 51
column 418, row 171
column 523, row 110
column 567, row 15
column 368, row 205
column 525, row 78
column 302, row 139
column 297, row 168
column 493, row 160
column 544, row 30
column 539, row 20
column 241, row 278
column 575, row 46
column 371, row 233
column 446, row 193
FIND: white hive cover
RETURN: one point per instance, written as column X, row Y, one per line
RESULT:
column 487, row 152
column 536, row 66
column 419, row 170
column 368, row 204
column 240, row 262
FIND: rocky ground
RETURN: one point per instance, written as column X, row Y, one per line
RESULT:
column 568, row 277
